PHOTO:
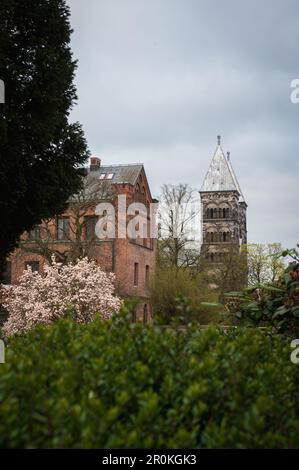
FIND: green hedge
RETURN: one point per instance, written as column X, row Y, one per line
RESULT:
column 109, row 385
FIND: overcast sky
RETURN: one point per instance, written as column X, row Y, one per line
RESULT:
column 159, row 79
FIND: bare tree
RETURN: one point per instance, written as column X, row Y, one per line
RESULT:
column 178, row 210
column 74, row 243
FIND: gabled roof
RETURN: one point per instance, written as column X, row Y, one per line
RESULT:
column 221, row 176
column 121, row 173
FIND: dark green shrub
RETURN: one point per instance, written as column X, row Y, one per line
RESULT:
column 120, row 385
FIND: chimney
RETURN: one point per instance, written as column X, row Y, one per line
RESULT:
column 95, row 163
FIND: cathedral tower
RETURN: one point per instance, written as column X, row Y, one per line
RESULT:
column 223, row 209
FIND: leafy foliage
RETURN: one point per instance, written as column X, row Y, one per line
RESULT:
column 170, row 289
column 79, row 386
column 274, row 304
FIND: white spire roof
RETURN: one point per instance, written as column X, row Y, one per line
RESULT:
column 220, row 175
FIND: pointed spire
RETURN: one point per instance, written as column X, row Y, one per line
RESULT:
column 221, row 176
column 219, row 140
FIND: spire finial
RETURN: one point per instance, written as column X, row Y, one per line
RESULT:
column 219, row 139
column 228, row 156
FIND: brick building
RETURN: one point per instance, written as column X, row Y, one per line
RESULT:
column 73, row 233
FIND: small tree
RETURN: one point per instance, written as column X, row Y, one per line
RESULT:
column 264, row 264
column 171, row 284
column 82, row 288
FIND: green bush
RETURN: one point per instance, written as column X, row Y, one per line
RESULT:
column 120, row 385
column 171, row 284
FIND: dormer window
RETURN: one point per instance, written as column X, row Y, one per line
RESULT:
column 106, row 176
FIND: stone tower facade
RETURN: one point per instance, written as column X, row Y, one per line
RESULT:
column 223, row 209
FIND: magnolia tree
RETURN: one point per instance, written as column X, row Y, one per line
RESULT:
column 43, row 299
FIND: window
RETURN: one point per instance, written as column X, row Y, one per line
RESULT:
column 134, row 316
column 6, row 273
column 90, row 227
column 102, row 176
column 34, row 265
column 136, row 268
column 145, row 314
column 137, row 192
column 147, row 273
column 224, row 212
column 225, row 236
column 63, row 228
column 34, row 234
column 110, row 176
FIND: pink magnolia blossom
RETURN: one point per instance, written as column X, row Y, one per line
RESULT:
column 44, row 298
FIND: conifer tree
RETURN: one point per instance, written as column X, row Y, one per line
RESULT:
column 41, row 153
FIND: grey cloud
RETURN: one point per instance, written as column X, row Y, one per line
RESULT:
column 159, row 79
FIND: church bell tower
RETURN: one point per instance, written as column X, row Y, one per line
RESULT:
column 223, row 209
